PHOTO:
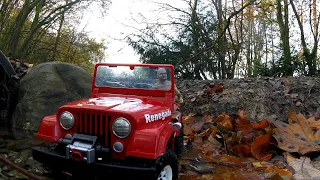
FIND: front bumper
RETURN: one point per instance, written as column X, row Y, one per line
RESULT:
column 54, row 159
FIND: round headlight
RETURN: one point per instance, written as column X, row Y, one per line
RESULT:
column 121, row 127
column 66, row 120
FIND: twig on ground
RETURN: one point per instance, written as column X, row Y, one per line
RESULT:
column 22, row 170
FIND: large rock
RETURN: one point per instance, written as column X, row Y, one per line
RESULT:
column 45, row 88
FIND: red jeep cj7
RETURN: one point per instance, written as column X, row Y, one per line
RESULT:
column 129, row 123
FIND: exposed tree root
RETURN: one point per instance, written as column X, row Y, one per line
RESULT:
column 22, row 170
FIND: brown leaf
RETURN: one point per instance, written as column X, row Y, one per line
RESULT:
column 224, row 120
column 187, row 121
column 315, row 124
column 281, row 173
column 226, row 92
column 260, row 145
column 197, row 126
column 242, row 150
column 218, row 88
column 198, row 139
column 303, row 167
column 229, row 173
column 297, row 136
column 208, row 119
column 263, row 124
column 231, row 160
column 245, row 126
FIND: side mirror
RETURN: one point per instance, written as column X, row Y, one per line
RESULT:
column 176, row 126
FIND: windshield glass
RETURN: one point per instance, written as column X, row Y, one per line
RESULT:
column 139, row 77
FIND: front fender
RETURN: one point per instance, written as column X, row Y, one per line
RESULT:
column 49, row 129
column 149, row 143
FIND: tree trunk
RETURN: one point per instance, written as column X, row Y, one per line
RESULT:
column 17, row 26
column 221, row 42
column 284, row 34
column 249, row 43
column 55, row 48
column 311, row 57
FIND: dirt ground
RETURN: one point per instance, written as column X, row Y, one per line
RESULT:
column 260, row 97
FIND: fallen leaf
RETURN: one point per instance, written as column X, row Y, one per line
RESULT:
column 231, row 141
column 303, row 168
column 198, row 139
column 262, row 164
column 237, row 175
column 246, row 128
column 263, row 124
column 231, row 160
column 315, row 124
column 298, row 135
column 283, row 173
column 260, row 147
column 188, row 121
column 203, row 168
column 197, row 126
column 224, row 120
column 218, row 88
column 226, row 92
column 216, row 143
column 242, row 150
column 188, row 175
column 208, row 90
column 208, row 119
column 230, row 173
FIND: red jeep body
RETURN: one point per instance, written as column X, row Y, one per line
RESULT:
column 93, row 132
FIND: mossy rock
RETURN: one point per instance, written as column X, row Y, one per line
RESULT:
column 45, row 88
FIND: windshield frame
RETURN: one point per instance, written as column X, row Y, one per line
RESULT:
column 133, row 91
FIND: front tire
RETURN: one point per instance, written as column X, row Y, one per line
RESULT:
column 167, row 166
column 179, row 144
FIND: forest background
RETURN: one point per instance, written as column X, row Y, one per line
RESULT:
column 204, row 39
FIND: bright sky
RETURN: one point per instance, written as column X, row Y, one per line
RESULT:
column 112, row 27
column 115, row 25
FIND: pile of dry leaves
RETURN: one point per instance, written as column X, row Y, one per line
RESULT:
column 231, row 147
column 20, row 68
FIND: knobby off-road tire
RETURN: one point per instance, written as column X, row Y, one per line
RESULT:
column 179, row 144
column 165, row 164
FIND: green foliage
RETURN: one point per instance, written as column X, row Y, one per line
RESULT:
column 29, row 31
column 182, row 47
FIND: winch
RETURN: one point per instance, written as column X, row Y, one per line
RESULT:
column 81, row 148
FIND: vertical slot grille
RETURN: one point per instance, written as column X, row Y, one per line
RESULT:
column 96, row 125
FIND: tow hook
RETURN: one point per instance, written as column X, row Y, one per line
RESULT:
column 76, row 155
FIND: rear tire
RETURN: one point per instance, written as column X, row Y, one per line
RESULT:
column 167, row 166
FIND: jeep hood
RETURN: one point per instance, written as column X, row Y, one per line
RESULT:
column 125, row 105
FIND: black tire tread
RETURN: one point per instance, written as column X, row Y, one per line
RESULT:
column 168, row 158
column 179, row 144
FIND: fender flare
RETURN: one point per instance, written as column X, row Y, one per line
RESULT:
column 149, row 143
column 49, row 129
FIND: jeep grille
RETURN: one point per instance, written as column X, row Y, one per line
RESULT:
column 95, row 124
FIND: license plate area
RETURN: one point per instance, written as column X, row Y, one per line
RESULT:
column 81, row 148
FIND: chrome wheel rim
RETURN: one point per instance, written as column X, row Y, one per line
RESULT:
column 166, row 173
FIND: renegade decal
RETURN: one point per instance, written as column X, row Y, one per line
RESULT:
column 158, row 116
